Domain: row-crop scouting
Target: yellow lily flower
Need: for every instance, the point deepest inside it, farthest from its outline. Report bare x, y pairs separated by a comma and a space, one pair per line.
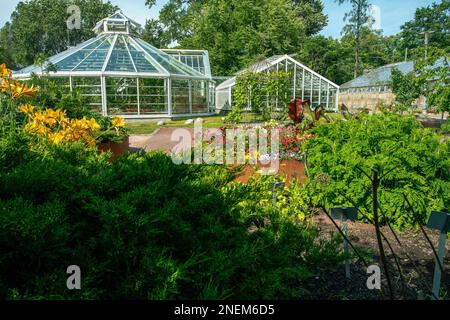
118, 122
93, 124
20, 90
5, 72
27, 109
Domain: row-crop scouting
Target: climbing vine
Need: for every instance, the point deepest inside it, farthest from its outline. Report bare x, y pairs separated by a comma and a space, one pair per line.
260, 93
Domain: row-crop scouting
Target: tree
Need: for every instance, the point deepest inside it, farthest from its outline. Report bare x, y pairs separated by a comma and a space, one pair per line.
329, 57
356, 19
5, 51
154, 34
434, 19
236, 32
405, 88
311, 11
39, 27
433, 73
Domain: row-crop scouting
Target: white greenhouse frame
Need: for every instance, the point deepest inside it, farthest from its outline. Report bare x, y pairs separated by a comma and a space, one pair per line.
119, 29
224, 91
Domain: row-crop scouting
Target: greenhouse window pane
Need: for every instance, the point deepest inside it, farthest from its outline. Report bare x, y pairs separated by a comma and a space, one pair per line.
121, 96
153, 96
72, 61
142, 62
120, 58
169, 63
90, 90
96, 59
199, 96
180, 96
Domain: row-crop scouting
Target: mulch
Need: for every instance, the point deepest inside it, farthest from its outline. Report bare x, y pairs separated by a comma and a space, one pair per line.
415, 257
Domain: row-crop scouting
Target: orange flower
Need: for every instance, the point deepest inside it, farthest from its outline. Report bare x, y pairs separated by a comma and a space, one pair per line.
19, 90
5, 72
27, 109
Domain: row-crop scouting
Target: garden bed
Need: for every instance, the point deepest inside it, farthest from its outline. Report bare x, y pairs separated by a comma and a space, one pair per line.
288, 169
419, 256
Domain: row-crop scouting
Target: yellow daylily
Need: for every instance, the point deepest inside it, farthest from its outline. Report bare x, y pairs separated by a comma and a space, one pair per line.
5, 85
19, 90
5, 72
93, 125
58, 128
27, 109
118, 122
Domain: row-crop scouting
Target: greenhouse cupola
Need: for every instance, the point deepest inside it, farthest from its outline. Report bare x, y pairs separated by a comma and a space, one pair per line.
117, 23
120, 74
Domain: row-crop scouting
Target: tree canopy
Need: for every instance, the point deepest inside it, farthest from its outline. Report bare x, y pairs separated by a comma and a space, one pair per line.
39, 27
237, 32
434, 19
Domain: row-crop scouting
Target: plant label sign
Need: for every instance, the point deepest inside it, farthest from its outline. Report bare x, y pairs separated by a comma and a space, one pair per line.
344, 214
439, 221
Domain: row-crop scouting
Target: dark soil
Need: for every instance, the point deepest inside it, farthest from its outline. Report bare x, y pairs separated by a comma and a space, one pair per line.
415, 257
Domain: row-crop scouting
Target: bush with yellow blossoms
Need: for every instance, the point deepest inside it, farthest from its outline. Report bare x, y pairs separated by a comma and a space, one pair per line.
11, 93
56, 127
13, 88
53, 125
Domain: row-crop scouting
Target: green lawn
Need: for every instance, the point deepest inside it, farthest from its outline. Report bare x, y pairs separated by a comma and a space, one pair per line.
149, 126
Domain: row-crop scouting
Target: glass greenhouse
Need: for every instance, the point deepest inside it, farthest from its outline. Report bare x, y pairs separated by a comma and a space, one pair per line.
304, 83
121, 74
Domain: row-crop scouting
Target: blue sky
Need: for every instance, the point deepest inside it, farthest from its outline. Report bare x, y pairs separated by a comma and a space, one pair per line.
393, 12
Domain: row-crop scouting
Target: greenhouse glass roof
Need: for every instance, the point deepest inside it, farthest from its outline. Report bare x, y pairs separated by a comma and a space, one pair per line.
379, 76
267, 64
116, 51
382, 75
196, 59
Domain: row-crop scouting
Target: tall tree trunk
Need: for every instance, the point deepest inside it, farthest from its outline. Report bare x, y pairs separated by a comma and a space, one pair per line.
356, 73
357, 38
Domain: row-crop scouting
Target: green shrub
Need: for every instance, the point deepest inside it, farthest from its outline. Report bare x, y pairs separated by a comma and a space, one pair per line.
445, 127
144, 228
418, 159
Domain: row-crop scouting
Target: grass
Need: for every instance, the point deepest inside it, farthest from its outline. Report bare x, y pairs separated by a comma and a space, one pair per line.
149, 126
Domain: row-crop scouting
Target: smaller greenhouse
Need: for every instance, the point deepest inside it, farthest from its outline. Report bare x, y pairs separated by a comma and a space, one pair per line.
303, 84
120, 74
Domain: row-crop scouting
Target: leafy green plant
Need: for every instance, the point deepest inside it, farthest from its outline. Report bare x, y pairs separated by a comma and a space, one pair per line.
415, 160
145, 228
261, 93
445, 127
405, 88
433, 71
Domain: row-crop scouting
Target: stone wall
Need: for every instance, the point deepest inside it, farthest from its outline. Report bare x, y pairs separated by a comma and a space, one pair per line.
370, 100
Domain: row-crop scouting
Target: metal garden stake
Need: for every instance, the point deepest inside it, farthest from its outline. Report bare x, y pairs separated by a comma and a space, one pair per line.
275, 186
439, 221
344, 214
